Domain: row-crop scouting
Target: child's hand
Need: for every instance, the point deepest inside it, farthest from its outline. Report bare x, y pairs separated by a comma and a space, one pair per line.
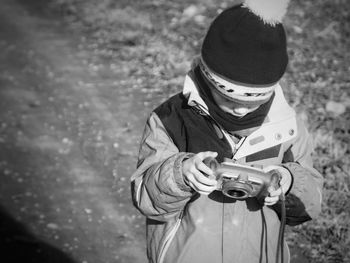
285, 184
199, 176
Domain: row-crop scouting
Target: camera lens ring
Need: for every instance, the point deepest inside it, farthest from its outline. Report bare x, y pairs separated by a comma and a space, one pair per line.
237, 189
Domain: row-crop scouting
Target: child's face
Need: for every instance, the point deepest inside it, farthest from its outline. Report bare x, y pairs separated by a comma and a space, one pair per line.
233, 107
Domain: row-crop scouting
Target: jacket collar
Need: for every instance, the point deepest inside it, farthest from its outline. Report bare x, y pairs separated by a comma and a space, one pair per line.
279, 127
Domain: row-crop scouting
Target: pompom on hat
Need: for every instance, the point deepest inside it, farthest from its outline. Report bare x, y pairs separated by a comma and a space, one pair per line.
244, 51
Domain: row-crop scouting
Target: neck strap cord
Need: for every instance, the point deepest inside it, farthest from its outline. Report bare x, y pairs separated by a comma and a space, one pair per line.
280, 244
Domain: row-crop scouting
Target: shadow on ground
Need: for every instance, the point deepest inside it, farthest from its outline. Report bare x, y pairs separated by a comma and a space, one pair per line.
17, 244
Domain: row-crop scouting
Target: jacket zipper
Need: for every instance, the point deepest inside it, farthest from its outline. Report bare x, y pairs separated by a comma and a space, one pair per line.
234, 146
169, 238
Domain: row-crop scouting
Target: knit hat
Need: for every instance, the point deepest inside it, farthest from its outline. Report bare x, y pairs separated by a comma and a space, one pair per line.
244, 52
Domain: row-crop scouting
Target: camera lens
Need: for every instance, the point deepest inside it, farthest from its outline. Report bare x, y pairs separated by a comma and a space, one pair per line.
237, 189
237, 194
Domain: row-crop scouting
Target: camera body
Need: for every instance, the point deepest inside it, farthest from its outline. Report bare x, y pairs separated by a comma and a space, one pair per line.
241, 181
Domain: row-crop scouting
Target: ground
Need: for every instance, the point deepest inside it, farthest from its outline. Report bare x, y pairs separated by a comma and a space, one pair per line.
70, 123
68, 144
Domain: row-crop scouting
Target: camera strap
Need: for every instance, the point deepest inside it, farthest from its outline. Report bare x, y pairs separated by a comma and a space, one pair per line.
280, 243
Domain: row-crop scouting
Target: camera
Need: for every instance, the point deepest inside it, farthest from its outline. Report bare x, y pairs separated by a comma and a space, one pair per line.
241, 181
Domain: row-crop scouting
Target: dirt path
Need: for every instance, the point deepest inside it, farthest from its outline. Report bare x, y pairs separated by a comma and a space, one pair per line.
68, 144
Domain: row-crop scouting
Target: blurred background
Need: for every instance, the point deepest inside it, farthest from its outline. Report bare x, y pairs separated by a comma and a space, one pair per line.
78, 78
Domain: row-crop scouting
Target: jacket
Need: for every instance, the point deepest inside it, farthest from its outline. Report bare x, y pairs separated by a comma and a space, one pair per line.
183, 226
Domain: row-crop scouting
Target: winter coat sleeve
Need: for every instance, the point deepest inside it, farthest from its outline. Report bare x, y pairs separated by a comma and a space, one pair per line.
303, 202
158, 188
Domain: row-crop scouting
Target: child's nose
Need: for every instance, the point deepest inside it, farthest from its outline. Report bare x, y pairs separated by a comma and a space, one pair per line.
240, 110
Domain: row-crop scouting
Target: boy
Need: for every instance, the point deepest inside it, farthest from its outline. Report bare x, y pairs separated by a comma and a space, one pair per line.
231, 107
